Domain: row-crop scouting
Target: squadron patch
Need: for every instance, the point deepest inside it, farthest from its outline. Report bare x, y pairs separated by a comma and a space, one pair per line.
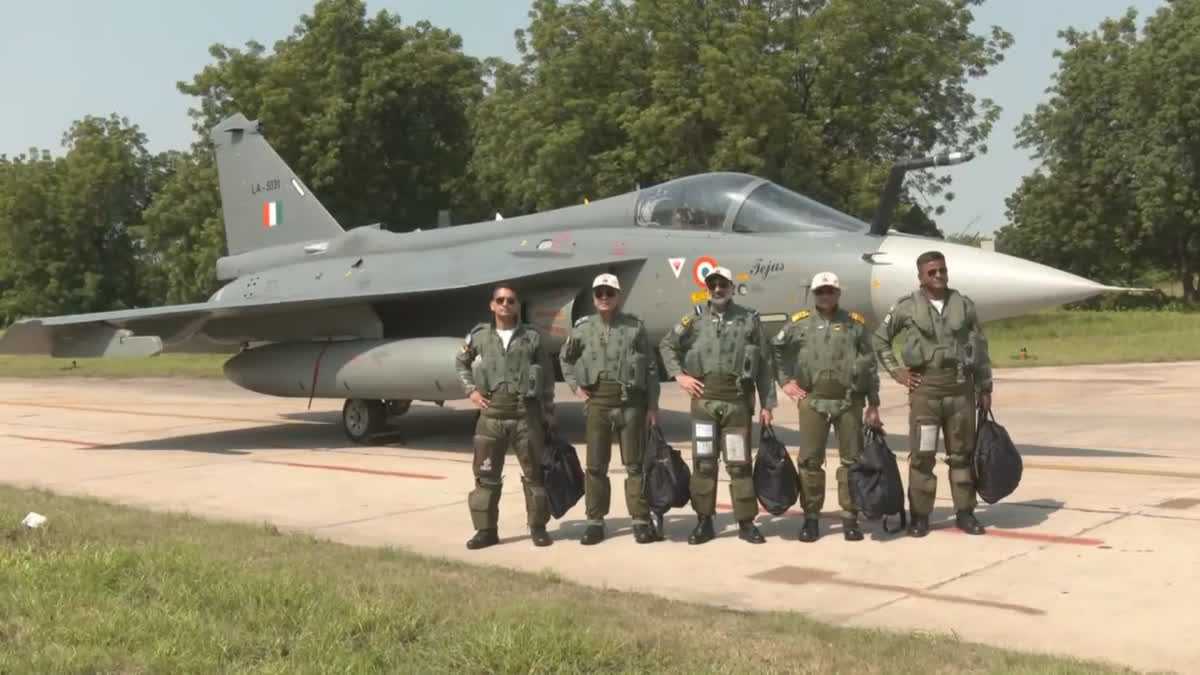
858, 318
801, 315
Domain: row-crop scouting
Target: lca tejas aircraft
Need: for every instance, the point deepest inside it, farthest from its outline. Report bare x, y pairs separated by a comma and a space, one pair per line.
376, 317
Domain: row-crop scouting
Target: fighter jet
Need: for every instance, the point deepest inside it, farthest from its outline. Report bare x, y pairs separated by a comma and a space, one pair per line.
376, 317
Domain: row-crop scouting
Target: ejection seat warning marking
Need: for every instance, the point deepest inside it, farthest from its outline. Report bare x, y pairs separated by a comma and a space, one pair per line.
676, 265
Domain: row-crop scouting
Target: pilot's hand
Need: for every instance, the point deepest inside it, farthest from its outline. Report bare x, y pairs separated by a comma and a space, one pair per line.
766, 417
985, 401
479, 400
583, 393
690, 385
907, 378
872, 418
794, 391
651, 418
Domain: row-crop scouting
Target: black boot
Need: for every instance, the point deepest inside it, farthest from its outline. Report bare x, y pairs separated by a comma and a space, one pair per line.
644, 534
540, 537
747, 531
594, 534
967, 523
703, 532
483, 539
850, 529
657, 526
811, 530
918, 526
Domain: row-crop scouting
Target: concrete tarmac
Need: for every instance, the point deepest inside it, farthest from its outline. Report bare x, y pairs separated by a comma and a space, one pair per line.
1096, 554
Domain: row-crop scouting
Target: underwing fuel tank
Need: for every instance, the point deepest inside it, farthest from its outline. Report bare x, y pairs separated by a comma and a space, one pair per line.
415, 369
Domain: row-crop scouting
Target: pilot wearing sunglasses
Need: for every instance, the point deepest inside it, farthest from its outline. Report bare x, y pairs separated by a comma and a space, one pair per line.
608, 361
947, 372
720, 358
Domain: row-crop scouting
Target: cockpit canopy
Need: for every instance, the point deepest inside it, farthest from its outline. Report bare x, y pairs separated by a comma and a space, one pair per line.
736, 202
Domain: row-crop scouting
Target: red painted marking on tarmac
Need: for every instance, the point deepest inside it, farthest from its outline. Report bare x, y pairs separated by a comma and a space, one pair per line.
991, 531
65, 441
352, 469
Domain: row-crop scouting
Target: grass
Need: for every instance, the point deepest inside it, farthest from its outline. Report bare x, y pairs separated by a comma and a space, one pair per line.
103, 588
1061, 337
163, 365
1052, 338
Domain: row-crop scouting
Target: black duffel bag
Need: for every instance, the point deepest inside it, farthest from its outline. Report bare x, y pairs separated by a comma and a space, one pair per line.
561, 474
875, 485
666, 479
997, 465
775, 478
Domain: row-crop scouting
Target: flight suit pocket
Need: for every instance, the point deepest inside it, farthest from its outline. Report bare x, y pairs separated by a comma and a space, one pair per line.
480, 373
533, 382
638, 366
913, 352
750, 357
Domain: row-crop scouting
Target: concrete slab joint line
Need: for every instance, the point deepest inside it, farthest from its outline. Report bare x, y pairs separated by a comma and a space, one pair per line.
798, 576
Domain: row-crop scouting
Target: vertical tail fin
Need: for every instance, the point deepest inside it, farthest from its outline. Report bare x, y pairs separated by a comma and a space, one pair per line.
262, 201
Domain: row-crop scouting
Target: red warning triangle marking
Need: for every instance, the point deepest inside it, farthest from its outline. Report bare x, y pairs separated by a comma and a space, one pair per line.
676, 265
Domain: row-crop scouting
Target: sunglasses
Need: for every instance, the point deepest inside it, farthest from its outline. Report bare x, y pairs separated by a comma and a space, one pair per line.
505, 300
937, 272
718, 283
825, 290
605, 293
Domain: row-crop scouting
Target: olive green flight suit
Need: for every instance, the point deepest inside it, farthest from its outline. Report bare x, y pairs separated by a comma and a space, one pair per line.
949, 351
614, 363
832, 361
519, 383
730, 355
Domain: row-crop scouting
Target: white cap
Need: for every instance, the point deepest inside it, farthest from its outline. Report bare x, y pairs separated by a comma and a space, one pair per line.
720, 272
609, 280
825, 279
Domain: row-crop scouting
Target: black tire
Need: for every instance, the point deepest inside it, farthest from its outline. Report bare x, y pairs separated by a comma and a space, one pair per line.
363, 418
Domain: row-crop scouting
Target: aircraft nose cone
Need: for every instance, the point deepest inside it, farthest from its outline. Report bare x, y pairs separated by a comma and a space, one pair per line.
1001, 285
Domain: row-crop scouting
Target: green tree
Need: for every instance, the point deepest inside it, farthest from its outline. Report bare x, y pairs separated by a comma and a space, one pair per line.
1164, 98
372, 113
66, 222
819, 95
1079, 211
1117, 194
183, 234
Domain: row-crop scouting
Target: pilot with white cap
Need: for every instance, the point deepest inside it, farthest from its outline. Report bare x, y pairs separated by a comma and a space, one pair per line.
720, 358
824, 362
609, 361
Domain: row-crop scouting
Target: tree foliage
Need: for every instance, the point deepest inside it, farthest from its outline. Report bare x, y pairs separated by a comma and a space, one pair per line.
65, 222
391, 123
820, 96
1117, 194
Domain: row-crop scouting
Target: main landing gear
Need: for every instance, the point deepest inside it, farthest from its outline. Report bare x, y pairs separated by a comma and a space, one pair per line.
363, 418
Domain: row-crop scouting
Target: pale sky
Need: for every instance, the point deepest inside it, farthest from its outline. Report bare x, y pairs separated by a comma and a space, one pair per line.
63, 59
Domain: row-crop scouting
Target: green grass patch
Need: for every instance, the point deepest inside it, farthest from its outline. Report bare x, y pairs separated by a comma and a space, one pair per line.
103, 588
1062, 337
163, 365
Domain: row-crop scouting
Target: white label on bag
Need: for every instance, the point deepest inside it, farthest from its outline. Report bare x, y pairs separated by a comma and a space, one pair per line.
929, 438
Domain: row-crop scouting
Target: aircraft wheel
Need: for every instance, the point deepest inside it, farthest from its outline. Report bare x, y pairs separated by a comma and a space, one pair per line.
363, 418
397, 407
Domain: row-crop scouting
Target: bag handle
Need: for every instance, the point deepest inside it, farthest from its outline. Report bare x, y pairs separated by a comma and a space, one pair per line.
768, 431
